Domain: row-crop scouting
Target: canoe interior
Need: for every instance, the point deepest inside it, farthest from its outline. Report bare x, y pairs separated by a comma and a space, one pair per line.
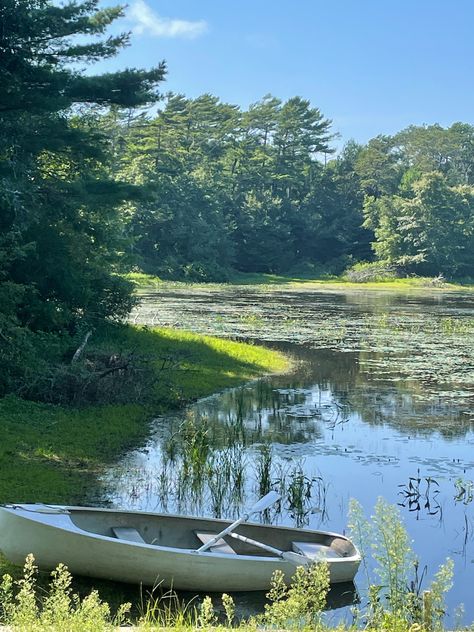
180, 532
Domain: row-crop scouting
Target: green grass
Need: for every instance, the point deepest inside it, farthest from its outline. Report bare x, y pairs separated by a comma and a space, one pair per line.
143, 281
206, 364
53, 454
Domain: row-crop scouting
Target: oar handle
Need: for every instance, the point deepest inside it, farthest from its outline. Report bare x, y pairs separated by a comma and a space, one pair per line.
223, 533
260, 545
264, 503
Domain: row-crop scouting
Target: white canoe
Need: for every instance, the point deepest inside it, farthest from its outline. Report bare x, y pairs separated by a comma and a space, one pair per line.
149, 548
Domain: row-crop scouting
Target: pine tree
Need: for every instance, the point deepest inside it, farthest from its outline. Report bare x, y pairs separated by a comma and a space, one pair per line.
60, 233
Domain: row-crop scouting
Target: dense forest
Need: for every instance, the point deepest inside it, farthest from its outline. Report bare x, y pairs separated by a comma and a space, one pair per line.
101, 175
260, 190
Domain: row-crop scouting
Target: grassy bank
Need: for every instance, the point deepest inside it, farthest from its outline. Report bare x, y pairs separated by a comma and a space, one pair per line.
269, 281
53, 454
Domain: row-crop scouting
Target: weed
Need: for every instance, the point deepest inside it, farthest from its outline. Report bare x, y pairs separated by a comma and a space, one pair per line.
59, 610
397, 600
229, 608
263, 469
301, 604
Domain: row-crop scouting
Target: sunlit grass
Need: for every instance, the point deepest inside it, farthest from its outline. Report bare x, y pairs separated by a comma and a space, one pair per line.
53, 454
142, 279
274, 281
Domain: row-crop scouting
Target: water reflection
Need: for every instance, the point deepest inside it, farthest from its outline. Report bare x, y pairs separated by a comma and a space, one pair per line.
378, 404
319, 436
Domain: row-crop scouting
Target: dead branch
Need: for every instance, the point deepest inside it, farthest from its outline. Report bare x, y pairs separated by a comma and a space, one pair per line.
81, 348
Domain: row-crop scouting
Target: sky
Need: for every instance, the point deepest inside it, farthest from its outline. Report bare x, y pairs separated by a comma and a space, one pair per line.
372, 66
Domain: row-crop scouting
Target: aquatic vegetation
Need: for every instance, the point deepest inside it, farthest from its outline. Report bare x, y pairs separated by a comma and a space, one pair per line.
211, 470
429, 342
263, 469
464, 491
421, 494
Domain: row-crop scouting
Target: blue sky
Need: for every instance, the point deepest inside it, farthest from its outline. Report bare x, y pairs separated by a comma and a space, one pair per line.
372, 66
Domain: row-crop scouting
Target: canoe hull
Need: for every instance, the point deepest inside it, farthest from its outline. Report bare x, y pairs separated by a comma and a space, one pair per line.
108, 558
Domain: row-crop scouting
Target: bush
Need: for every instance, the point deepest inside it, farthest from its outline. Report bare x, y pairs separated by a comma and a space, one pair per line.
396, 600
375, 271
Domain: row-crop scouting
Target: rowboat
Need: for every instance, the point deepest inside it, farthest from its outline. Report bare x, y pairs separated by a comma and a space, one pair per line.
180, 552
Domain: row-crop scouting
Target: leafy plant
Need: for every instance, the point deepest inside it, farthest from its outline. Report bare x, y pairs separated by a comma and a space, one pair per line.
301, 604
396, 599
60, 609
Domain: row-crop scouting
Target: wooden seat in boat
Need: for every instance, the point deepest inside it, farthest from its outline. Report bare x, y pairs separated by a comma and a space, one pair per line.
128, 533
220, 546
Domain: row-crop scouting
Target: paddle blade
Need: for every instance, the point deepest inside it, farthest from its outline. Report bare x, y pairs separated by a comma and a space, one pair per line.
264, 503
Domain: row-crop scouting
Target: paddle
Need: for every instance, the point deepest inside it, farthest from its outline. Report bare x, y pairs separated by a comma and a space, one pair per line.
264, 503
290, 556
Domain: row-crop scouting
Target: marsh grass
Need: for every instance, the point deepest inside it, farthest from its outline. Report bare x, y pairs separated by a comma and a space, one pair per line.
204, 467
389, 282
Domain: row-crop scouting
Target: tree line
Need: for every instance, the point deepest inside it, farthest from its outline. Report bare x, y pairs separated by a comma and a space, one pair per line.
259, 190
103, 174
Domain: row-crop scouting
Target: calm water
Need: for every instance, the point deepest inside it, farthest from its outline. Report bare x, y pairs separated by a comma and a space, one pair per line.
379, 403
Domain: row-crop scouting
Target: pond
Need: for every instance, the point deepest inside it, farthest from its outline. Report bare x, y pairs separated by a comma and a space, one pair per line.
379, 402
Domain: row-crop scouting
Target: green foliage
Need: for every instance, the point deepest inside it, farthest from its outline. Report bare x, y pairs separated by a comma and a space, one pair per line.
229, 608
396, 600
247, 190
364, 272
237, 189
59, 610
299, 605
206, 617
431, 231
62, 240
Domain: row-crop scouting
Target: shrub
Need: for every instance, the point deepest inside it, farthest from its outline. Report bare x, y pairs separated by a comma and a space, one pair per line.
59, 610
396, 600
375, 271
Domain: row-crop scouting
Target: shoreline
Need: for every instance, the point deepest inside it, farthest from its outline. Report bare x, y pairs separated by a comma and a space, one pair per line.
52, 453
272, 282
